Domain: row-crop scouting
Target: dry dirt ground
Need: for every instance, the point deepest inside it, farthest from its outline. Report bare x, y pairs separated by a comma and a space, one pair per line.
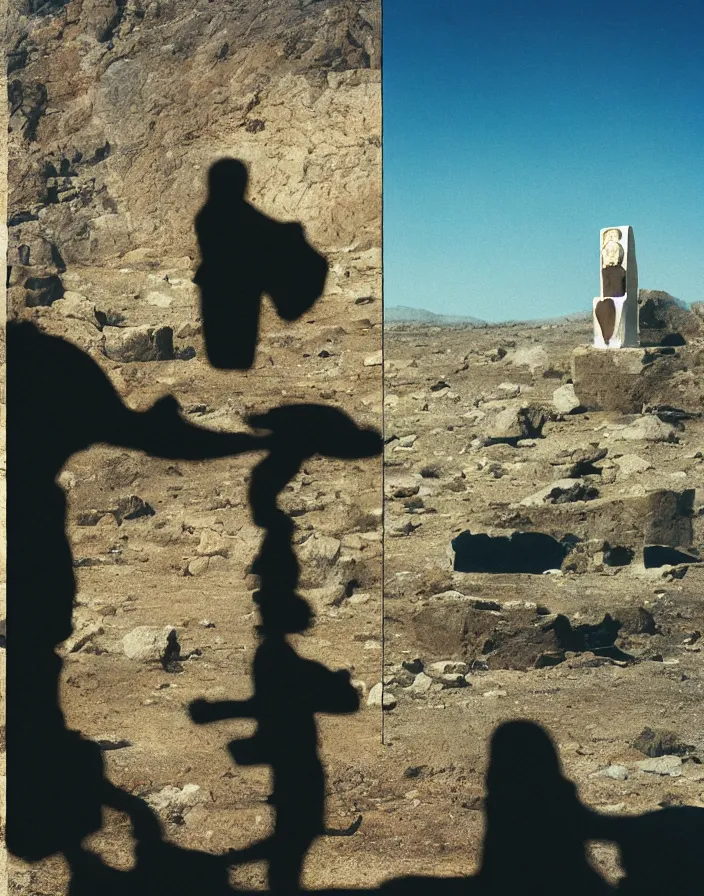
129, 104
186, 565
442, 386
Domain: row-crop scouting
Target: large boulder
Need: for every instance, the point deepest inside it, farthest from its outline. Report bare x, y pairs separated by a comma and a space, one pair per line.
628, 379
663, 320
662, 517
138, 343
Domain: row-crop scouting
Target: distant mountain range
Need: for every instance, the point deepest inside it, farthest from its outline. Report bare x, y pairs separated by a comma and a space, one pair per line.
402, 314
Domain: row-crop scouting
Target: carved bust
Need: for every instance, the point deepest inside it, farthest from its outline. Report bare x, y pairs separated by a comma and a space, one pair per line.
611, 254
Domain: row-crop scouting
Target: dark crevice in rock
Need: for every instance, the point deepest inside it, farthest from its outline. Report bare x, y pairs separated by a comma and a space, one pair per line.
101, 153
15, 96
37, 109
523, 552
44, 7
656, 555
18, 56
22, 218
57, 259
617, 555
108, 32
43, 291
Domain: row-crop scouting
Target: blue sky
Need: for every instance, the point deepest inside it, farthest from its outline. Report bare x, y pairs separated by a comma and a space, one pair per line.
514, 131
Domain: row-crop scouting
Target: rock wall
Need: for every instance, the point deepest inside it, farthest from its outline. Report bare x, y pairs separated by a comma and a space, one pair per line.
118, 107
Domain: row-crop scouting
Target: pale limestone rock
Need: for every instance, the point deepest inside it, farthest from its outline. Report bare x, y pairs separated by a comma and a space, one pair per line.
631, 465
148, 642
662, 765
379, 696
533, 358
564, 399
212, 543
649, 428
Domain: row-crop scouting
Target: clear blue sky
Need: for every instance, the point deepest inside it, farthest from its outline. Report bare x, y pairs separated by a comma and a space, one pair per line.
515, 130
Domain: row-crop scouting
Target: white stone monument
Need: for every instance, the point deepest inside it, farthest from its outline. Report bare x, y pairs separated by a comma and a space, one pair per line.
615, 311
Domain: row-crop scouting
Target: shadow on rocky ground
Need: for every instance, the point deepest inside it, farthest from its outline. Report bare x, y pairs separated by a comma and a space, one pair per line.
537, 829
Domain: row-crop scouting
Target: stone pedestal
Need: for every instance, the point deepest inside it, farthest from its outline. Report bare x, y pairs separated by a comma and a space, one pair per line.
610, 381
629, 378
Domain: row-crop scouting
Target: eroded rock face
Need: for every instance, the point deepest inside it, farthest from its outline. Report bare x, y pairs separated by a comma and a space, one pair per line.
627, 379
144, 96
663, 321
119, 110
662, 517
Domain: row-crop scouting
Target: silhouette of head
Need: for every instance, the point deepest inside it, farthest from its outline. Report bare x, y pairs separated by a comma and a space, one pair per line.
282, 612
227, 180
523, 760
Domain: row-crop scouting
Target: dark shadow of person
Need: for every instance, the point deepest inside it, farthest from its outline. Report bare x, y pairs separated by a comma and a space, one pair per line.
536, 829
245, 254
298, 432
160, 867
536, 826
59, 402
288, 690
660, 851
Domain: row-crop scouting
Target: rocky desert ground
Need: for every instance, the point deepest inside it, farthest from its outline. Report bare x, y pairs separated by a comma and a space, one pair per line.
485, 434
117, 110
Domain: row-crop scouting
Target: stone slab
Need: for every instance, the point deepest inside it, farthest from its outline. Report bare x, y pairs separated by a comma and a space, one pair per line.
663, 517
627, 379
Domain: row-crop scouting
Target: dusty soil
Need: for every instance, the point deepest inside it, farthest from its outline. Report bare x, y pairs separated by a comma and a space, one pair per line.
442, 385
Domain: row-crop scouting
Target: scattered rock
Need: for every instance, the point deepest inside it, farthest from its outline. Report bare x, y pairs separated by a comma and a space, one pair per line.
565, 401
212, 544
514, 423
631, 465
660, 742
174, 799
638, 621
379, 696
648, 428
533, 358
149, 643
421, 684
132, 507
563, 491
664, 321
447, 667
201, 565
663, 765
138, 343
581, 461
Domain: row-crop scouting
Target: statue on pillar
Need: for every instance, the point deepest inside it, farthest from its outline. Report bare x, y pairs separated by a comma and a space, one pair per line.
615, 311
